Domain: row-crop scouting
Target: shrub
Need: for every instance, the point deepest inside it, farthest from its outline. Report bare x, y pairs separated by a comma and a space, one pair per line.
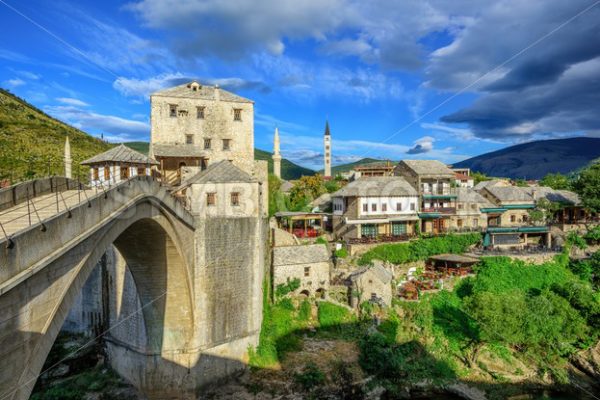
321, 240
305, 311
331, 315
341, 253
575, 240
593, 235
284, 288
421, 249
310, 377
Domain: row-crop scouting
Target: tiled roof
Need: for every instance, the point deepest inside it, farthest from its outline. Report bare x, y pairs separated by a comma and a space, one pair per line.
558, 196
378, 270
219, 172
177, 150
202, 92
375, 165
429, 167
490, 183
510, 193
468, 195
303, 254
377, 186
120, 153
462, 177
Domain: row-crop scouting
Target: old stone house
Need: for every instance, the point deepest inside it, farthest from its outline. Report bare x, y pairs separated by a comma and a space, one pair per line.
194, 125
373, 207
118, 164
434, 183
468, 215
308, 263
371, 283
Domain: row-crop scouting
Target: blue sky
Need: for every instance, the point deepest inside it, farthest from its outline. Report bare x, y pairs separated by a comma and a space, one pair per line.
396, 79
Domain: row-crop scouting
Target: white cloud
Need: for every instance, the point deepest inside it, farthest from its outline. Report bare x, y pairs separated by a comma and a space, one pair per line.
134, 87
13, 83
72, 102
110, 125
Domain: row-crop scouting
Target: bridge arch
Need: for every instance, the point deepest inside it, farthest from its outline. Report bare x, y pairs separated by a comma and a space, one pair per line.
153, 243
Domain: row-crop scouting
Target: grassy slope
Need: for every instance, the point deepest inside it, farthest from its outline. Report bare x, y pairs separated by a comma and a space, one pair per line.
32, 142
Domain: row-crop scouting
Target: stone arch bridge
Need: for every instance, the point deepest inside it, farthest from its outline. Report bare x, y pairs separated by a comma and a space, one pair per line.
198, 284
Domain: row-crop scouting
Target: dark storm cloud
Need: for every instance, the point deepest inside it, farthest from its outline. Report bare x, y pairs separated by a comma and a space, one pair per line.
566, 106
418, 149
549, 89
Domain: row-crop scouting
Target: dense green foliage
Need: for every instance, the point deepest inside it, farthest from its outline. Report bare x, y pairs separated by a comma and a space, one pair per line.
284, 288
587, 185
593, 235
32, 143
421, 249
544, 312
310, 377
556, 181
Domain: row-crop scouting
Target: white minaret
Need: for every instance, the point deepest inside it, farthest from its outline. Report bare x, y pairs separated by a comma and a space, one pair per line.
276, 155
68, 160
327, 147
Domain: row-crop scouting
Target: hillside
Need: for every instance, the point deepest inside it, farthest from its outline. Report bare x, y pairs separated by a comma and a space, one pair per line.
338, 169
289, 170
32, 142
534, 160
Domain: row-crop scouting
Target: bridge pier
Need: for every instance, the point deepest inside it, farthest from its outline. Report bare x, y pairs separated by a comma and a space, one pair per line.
195, 290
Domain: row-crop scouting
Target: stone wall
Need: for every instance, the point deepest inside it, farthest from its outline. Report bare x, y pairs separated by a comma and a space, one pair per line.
218, 124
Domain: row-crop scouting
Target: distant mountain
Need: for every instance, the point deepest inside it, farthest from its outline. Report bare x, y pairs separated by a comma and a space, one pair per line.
338, 169
534, 160
289, 170
32, 142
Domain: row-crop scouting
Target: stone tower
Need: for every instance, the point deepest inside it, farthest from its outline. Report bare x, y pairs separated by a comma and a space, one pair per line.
327, 148
68, 160
276, 155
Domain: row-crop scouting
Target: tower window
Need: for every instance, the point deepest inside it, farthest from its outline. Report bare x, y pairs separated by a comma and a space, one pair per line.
237, 114
189, 139
95, 174
384, 207
211, 199
226, 144
206, 144
235, 199
365, 207
412, 206
373, 207
306, 271
173, 110
398, 206
200, 112
141, 171
106, 172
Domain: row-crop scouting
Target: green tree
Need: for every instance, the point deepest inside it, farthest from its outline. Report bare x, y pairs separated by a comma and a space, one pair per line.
587, 186
543, 212
305, 190
556, 181
479, 177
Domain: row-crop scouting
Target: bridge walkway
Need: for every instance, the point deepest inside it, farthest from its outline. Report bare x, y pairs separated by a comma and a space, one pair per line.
40, 208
